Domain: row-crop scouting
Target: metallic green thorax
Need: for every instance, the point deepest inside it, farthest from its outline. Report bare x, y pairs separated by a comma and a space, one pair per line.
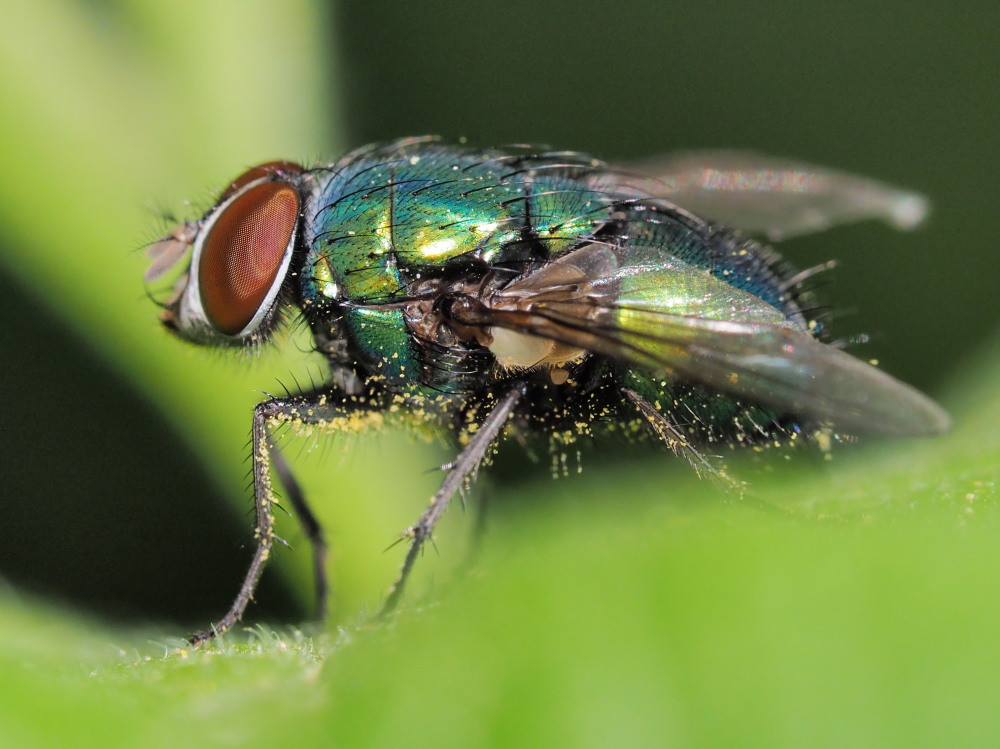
385, 218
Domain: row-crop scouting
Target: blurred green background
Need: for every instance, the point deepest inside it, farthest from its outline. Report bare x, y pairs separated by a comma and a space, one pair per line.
122, 464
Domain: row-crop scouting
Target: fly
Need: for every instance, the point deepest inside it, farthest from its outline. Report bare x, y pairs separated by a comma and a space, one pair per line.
482, 292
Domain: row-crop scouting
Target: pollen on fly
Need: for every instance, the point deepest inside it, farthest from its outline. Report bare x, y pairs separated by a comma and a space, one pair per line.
478, 293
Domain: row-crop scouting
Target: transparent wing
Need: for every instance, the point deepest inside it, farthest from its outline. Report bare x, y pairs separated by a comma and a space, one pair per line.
771, 196
681, 320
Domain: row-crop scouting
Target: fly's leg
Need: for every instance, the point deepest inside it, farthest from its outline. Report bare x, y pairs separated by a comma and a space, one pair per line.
678, 443
328, 411
461, 470
264, 529
310, 526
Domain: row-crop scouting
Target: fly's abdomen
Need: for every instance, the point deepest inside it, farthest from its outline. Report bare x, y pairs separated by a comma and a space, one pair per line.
732, 259
689, 268
706, 417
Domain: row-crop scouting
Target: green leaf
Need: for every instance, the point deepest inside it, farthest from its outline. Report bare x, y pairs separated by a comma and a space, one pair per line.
855, 605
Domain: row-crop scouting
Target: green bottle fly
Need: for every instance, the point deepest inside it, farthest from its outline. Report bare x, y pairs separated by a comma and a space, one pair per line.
474, 292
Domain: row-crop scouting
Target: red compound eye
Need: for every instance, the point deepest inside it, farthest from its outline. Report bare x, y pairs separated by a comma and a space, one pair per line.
243, 253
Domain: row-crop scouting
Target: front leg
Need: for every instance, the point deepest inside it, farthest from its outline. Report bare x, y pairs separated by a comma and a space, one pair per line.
328, 410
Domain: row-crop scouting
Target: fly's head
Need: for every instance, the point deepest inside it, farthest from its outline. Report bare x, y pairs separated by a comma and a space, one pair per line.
238, 280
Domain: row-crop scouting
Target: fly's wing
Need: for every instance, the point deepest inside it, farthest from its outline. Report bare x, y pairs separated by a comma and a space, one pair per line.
766, 195
642, 307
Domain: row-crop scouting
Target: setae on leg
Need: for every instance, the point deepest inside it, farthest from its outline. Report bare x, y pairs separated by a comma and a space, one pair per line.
334, 412
461, 470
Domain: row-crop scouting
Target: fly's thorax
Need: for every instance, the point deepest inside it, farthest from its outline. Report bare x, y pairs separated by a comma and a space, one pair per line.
392, 231
379, 217
376, 219
381, 346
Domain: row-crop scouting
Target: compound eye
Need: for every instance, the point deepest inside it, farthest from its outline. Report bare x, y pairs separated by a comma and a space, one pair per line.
243, 254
